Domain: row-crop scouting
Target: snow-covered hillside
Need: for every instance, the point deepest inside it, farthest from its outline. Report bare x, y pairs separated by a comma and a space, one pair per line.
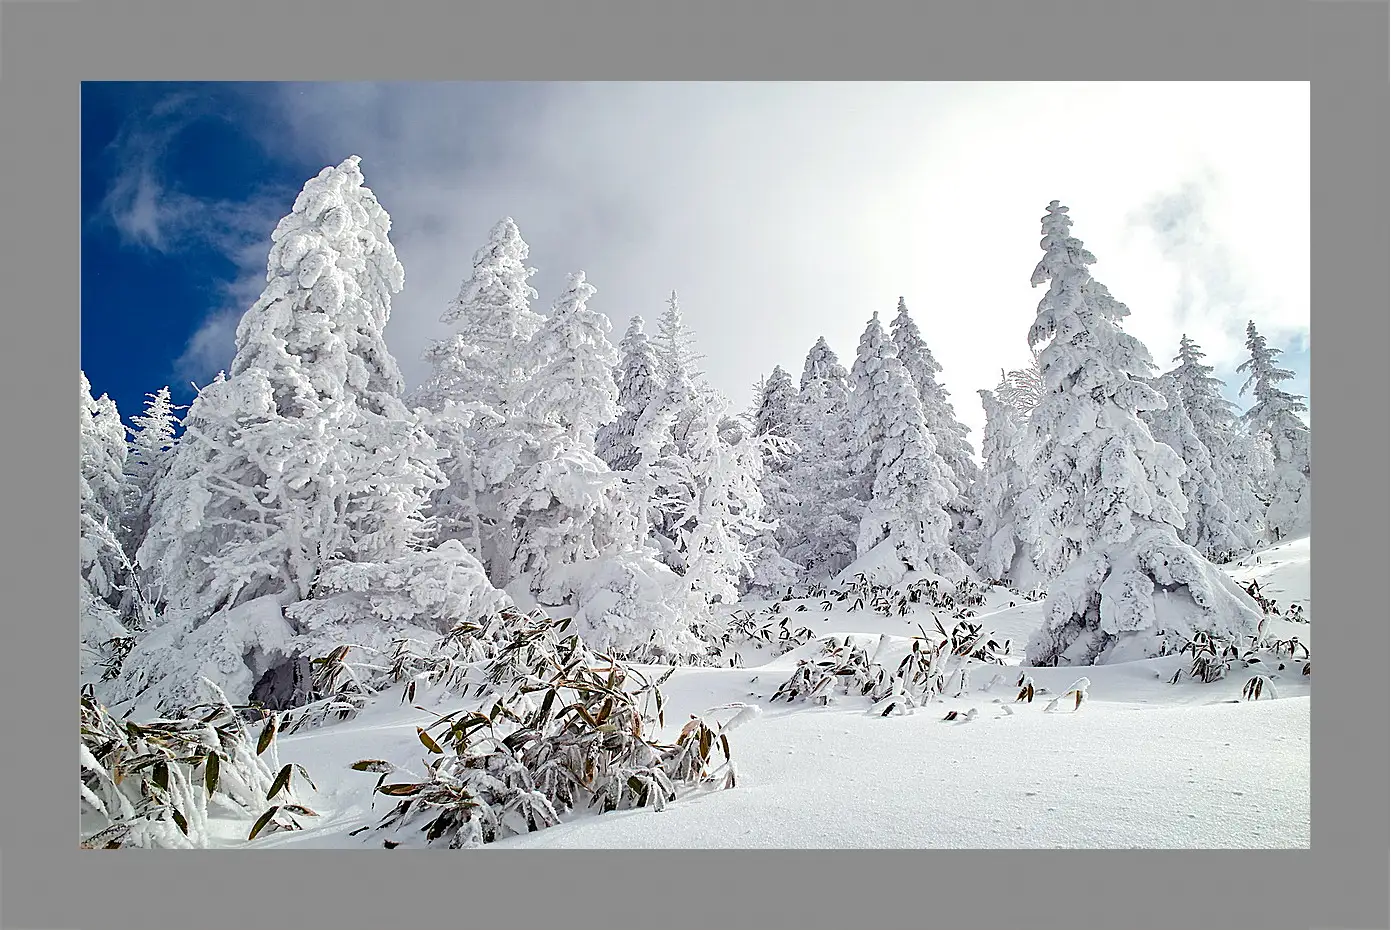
1142, 763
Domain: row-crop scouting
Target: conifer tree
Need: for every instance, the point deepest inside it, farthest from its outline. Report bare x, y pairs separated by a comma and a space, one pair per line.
1275, 415
1106, 494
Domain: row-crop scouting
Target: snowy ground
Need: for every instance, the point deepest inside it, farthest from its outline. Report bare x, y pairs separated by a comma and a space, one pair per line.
1143, 763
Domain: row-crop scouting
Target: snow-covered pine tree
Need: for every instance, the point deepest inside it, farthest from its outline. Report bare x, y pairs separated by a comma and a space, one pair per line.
563, 506
774, 415
1106, 495
573, 361
1216, 427
103, 567
1000, 554
1209, 525
472, 393
305, 455
774, 421
638, 382
947, 431
1275, 414
909, 485
152, 441
675, 346
485, 360
822, 532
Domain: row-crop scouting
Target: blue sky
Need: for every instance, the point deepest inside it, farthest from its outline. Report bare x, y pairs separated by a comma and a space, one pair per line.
780, 212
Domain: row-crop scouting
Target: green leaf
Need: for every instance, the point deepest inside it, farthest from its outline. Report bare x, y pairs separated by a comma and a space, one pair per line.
160, 776
181, 822
261, 823
401, 790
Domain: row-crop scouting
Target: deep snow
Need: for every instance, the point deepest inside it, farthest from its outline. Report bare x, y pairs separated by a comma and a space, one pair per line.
1143, 763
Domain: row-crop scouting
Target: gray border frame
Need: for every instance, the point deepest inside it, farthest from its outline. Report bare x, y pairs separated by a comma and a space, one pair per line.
46, 48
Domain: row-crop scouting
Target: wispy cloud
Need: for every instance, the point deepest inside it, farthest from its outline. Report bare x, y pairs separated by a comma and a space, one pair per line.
783, 212
149, 210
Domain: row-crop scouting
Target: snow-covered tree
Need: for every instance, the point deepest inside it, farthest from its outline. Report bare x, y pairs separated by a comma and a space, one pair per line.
1238, 481
305, 454
675, 345
1275, 414
573, 362
102, 564
822, 532
998, 554
486, 359
1106, 500
152, 441
638, 382
776, 405
910, 486
632, 604
1209, 525
560, 505
939, 415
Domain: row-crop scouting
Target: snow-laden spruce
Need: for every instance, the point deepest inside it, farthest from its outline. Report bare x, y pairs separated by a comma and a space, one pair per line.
638, 382
302, 457
1001, 554
103, 568
675, 346
947, 431
776, 405
774, 421
151, 444
1209, 525
910, 486
1106, 499
1275, 415
485, 359
573, 361
555, 504
822, 531
1235, 463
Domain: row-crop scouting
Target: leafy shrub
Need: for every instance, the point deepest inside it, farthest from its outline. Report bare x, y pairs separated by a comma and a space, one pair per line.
153, 784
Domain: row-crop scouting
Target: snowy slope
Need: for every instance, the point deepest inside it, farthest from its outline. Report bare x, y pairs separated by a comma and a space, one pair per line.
1143, 762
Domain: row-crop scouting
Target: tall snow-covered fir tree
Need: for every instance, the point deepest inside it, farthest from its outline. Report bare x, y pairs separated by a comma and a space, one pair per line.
152, 442
774, 421
1000, 554
1208, 523
776, 404
1106, 494
563, 506
303, 457
1216, 426
638, 382
485, 360
947, 431
103, 567
473, 392
675, 345
910, 486
573, 361
822, 532
1275, 415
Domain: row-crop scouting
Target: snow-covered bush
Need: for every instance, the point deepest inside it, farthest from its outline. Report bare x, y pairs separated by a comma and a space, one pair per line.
157, 784
564, 729
630, 604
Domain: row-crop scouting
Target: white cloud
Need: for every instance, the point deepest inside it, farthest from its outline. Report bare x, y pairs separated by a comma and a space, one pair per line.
782, 212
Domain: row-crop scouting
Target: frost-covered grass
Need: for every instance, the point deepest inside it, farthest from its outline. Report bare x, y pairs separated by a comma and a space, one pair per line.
1142, 762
